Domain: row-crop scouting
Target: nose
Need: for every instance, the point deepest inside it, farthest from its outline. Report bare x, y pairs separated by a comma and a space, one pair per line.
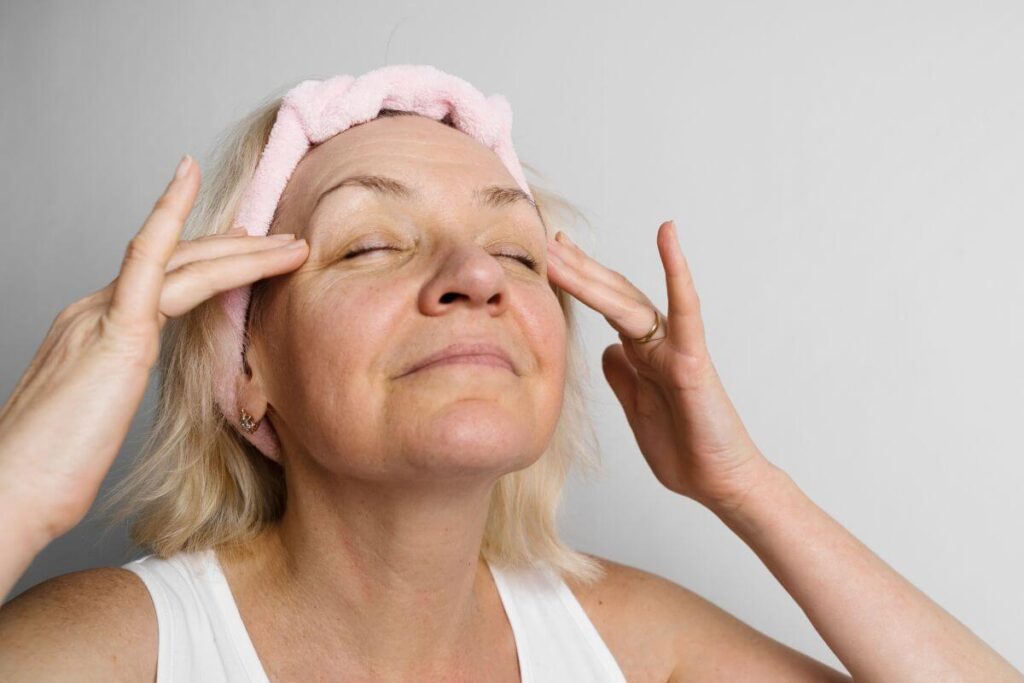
467, 276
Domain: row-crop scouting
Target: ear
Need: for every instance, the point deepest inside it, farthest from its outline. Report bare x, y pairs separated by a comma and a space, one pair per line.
249, 387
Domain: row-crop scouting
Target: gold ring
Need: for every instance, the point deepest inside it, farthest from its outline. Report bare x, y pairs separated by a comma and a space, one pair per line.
647, 337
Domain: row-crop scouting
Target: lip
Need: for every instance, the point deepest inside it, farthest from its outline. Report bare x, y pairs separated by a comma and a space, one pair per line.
470, 352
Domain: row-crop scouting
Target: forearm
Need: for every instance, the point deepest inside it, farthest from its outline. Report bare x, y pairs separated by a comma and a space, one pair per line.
877, 623
20, 539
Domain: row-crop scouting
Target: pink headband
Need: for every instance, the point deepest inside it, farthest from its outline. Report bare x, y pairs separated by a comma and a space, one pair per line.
314, 111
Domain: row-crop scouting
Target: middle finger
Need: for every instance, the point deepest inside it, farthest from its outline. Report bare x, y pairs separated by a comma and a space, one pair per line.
567, 251
215, 246
609, 293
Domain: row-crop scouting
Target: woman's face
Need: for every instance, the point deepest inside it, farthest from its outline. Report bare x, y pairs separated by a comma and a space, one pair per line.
438, 267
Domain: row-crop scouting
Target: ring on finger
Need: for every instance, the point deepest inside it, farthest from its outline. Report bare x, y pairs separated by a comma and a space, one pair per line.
648, 337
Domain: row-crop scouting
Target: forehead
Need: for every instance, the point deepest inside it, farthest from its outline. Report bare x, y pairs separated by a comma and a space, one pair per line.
447, 172
416, 150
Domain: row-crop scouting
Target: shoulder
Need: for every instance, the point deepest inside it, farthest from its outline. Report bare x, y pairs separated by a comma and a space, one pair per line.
666, 632
91, 624
626, 606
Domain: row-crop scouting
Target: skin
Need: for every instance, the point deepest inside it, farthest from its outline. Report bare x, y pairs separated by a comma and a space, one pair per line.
881, 627
374, 572
400, 466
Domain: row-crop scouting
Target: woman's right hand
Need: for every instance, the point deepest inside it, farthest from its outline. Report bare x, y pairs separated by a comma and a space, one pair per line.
68, 415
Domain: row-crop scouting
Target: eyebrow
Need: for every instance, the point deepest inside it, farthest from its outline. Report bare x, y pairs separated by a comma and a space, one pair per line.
495, 196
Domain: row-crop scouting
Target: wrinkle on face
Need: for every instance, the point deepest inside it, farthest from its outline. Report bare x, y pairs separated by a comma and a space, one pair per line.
344, 323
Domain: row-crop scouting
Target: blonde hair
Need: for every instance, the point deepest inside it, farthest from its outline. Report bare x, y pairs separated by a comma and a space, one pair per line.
197, 483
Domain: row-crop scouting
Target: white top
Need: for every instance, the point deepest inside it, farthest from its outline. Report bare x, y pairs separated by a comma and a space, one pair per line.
202, 636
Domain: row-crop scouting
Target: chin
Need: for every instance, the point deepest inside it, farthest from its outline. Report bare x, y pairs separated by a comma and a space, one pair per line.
471, 436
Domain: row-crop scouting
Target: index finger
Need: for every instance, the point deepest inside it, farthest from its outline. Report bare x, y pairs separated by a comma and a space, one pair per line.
685, 324
136, 295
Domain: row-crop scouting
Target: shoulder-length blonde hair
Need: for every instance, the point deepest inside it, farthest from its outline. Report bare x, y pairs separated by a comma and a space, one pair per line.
198, 484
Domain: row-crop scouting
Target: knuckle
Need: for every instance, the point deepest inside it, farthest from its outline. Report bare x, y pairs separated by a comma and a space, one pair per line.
71, 333
197, 274
134, 344
76, 309
165, 203
137, 250
68, 313
78, 332
194, 270
166, 209
691, 372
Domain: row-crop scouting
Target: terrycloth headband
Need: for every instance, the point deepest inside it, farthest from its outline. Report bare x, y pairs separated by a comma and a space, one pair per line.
314, 111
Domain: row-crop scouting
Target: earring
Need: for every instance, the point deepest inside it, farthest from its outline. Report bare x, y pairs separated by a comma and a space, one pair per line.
248, 424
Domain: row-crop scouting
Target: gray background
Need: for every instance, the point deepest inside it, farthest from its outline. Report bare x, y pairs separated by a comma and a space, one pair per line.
847, 182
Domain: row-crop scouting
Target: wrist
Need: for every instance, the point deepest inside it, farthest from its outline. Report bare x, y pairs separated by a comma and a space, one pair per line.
764, 480
22, 538
21, 527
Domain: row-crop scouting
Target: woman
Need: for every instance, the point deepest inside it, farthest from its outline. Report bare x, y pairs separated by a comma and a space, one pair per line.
398, 521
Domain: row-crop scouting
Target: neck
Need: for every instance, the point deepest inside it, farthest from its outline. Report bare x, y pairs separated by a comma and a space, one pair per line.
392, 571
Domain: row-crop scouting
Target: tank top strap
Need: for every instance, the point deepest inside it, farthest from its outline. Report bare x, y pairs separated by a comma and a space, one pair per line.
200, 631
202, 635
554, 636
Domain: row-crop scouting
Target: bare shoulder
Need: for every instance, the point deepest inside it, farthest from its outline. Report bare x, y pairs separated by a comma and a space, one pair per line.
661, 631
94, 624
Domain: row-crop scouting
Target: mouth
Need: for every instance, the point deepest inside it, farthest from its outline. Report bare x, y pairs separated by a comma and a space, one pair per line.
466, 353
486, 360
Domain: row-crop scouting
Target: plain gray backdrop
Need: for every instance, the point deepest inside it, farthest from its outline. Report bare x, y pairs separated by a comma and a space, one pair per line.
846, 178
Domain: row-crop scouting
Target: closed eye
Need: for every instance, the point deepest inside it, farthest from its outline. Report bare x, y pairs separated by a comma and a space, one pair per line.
363, 250
525, 259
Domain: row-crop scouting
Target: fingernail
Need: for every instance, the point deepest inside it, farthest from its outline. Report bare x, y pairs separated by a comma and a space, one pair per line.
183, 166
283, 236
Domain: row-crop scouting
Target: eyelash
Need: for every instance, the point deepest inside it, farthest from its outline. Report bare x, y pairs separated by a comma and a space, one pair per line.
525, 259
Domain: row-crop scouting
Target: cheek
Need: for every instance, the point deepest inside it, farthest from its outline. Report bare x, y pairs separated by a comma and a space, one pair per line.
329, 343
338, 340
543, 324
334, 361
546, 336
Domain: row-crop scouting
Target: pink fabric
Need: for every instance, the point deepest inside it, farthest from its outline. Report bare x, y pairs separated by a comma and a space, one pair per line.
314, 111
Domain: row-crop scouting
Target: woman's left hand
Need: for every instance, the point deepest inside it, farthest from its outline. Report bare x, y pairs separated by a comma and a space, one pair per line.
685, 424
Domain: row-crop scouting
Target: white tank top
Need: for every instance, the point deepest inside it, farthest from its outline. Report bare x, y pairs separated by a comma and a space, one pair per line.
202, 636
